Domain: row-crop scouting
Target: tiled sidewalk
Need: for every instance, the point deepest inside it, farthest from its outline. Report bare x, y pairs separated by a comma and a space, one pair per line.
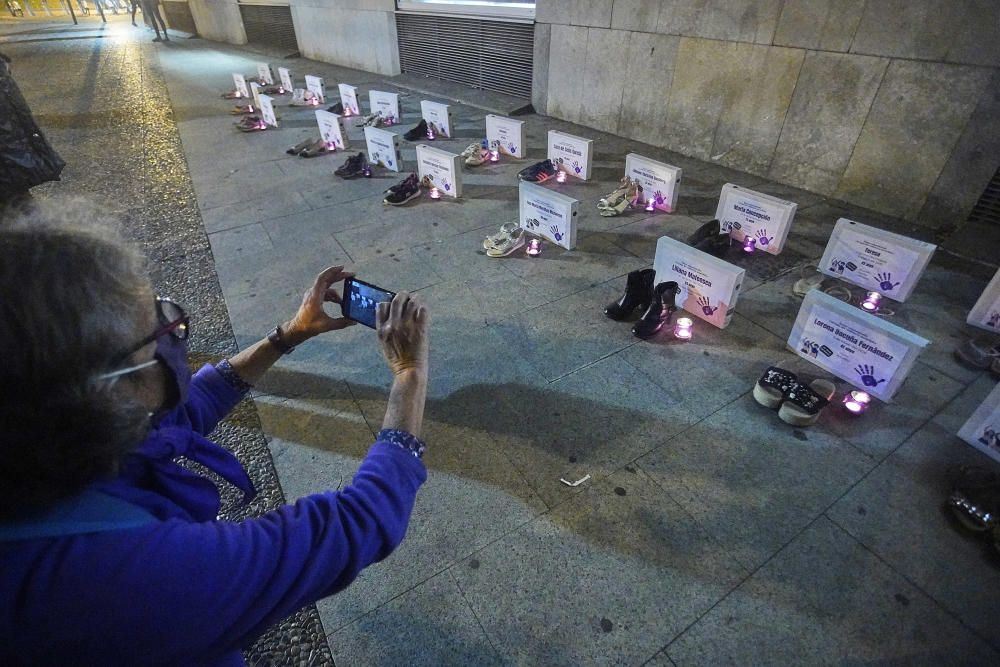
710, 532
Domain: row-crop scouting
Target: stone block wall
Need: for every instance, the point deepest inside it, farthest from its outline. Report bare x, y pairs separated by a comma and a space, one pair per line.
890, 104
218, 20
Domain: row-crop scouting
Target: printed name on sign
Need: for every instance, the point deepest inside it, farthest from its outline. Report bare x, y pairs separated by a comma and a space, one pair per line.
709, 287
571, 154
314, 85
442, 168
264, 74
383, 148
240, 83
385, 105
507, 133
331, 129
982, 429
437, 116
747, 214
286, 79
867, 351
349, 98
548, 214
267, 110
986, 313
660, 181
877, 260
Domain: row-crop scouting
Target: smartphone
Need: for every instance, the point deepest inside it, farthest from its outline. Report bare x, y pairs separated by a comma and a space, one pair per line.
361, 300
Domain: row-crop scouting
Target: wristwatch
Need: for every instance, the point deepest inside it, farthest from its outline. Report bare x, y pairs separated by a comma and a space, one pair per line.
278, 341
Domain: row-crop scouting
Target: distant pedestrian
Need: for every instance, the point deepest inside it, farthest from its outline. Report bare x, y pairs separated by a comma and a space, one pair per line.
135, 6
151, 8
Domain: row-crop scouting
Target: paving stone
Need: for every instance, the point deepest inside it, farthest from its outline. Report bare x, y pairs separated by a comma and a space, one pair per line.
897, 512
448, 633
825, 25
253, 210
233, 244
621, 534
826, 599
753, 481
397, 229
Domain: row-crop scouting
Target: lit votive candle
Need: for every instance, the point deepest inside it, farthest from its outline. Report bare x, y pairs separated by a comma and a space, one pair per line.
534, 248
561, 176
435, 193
749, 244
682, 329
872, 302
650, 204
856, 402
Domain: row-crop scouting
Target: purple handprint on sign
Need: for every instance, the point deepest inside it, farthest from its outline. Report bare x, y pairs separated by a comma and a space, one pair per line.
446, 185
706, 306
576, 167
660, 198
556, 234
762, 238
885, 282
867, 374
512, 148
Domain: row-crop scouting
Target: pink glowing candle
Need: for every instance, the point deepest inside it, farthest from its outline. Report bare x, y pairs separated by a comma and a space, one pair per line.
749, 244
430, 133
650, 204
856, 402
561, 176
682, 329
435, 193
872, 302
534, 248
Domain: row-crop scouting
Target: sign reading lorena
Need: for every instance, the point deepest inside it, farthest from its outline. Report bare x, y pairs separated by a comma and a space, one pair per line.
441, 168
982, 429
240, 83
574, 155
264, 74
874, 259
507, 133
314, 85
745, 213
385, 105
548, 213
437, 116
331, 129
866, 351
267, 110
286, 79
709, 287
659, 180
349, 98
383, 148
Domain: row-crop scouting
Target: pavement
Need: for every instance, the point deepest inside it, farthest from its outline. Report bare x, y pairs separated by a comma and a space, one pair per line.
709, 532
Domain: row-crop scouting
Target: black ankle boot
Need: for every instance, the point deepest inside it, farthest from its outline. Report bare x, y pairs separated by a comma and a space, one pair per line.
638, 294
709, 238
659, 311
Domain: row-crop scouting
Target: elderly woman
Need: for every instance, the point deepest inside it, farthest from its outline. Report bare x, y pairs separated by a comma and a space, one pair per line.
110, 552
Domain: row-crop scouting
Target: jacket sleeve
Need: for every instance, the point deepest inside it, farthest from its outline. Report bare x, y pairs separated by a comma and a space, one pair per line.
210, 399
189, 593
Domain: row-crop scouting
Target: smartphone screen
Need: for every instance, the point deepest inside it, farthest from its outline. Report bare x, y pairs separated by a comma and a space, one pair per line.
361, 301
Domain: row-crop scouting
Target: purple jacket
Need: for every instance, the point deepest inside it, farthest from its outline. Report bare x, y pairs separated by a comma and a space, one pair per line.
184, 588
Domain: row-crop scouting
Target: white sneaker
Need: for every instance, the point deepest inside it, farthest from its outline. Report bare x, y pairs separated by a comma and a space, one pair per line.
298, 98
508, 246
507, 230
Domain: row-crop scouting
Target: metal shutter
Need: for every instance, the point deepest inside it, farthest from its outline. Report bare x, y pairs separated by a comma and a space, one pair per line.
178, 16
270, 25
988, 207
490, 55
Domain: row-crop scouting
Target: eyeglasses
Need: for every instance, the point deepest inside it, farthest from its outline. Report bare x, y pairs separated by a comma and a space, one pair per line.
173, 321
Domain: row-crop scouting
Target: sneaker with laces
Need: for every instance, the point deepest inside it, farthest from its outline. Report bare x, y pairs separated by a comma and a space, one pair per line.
539, 172
476, 154
251, 124
405, 191
507, 230
418, 132
355, 166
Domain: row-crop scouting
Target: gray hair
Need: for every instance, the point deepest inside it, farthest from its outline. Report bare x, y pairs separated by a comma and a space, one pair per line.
73, 297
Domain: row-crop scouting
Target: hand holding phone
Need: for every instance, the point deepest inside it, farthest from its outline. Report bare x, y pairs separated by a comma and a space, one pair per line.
361, 299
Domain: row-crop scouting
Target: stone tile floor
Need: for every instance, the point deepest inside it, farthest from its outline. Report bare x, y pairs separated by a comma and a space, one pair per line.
710, 532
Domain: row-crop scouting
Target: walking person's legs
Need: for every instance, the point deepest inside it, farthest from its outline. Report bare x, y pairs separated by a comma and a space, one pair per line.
135, 6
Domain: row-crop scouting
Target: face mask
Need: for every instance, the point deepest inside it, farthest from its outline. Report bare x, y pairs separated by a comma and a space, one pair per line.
172, 353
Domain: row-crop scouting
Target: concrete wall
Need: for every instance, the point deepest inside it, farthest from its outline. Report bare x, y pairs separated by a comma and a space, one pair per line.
218, 20
891, 104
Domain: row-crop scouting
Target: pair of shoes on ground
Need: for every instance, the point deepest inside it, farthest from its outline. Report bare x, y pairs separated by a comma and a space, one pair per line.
242, 110
709, 238
251, 124
232, 95
273, 90
505, 242
356, 165
476, 154
797, 403
627, 195
309, 148
373, 120
641, 292
982, 352
405, 191
538, 172
303, 98
337, 108
418, 132
975, 500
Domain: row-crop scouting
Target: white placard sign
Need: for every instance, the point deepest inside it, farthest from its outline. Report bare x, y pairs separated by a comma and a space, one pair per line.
982, 429
285, 75
572, 154
349, 98
986, 313
383, 148
865, 350
438, 115
659, 180
255, 89
442, 168
264, 74
507, 133
331, 129
874, 259
764, 218
267, 110
709, 287
548, 213
240, 83
314, 84
385, 105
